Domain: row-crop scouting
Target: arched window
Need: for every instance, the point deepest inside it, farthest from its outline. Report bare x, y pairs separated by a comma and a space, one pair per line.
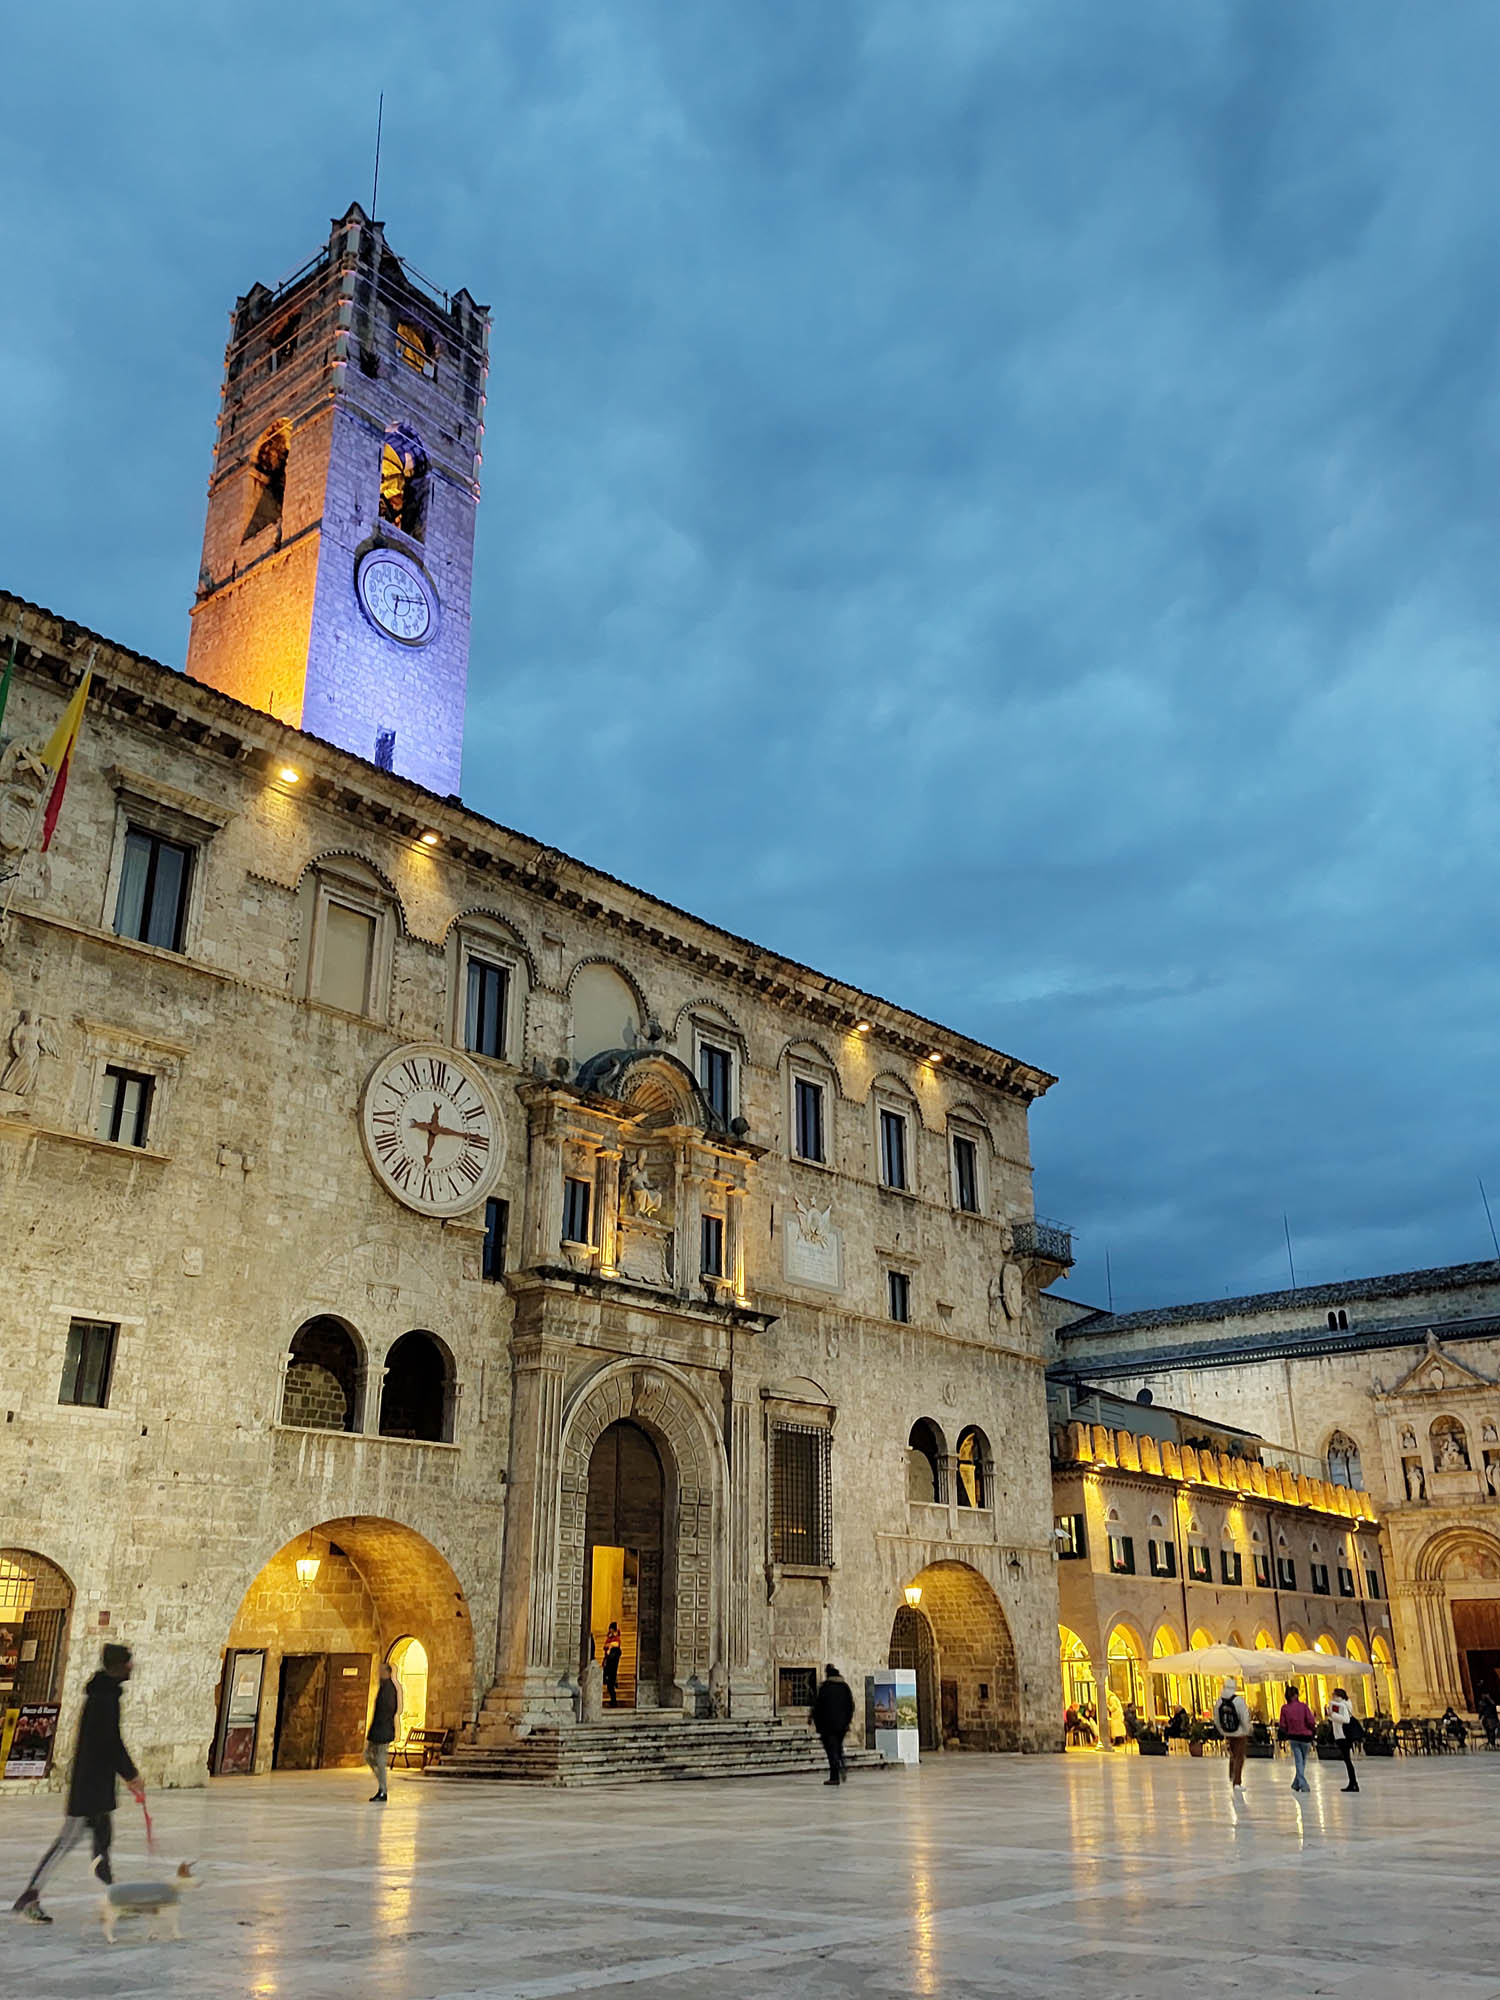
1338, 1322
1344, 1468
973, 1468
606, 1014
926, 1462
321, 1390
268, 476
415, 346
403, 483
417, 1400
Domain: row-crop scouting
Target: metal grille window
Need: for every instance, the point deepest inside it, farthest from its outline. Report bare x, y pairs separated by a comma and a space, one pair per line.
484, 1013
809, 1106
712, 1262
496, 1222
125, 1107
716, 1075
796, 1686
152, 903
801, 1510
88, 1364
576, 1211
892, 1149
966, 1176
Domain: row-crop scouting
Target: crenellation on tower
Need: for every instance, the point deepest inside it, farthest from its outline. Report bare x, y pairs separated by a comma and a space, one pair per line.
338, 547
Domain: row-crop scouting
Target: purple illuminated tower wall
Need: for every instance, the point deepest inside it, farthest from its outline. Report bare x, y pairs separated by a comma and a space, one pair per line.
339, 545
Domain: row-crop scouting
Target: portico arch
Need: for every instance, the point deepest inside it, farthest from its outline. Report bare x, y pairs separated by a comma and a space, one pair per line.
979, 1689
659, 1401
1458, 1585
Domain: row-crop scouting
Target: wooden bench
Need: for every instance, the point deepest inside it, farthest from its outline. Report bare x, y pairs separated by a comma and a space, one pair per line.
430, 1743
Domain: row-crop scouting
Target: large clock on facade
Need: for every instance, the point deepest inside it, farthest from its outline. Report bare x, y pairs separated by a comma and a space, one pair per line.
430, 1130
396, 597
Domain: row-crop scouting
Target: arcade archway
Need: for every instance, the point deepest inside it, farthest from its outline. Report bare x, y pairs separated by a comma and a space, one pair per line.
36, 1603
913, 1647
974, 1658
304, 1647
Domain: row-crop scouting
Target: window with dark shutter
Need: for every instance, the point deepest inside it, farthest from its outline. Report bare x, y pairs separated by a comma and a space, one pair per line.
809, 1108
800, 1495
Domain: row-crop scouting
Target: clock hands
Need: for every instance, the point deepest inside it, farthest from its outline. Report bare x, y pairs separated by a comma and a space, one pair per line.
435, 1130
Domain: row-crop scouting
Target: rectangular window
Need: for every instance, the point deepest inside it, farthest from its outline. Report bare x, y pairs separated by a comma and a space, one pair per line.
1262, 1570
1320, 1579
576, 1195
125, 1108
1071, 1537
348, 953
152, 903
1163, 1558
1231, 1566
800, 1512
1346, 1581
1286, 1573
1372, 1582
484, 1011
88, 1364
716, 1075
898, 1295
712, 1257
1200, 1564
966, 1175
809, 1104
496, 1223
796, 1686
892, 1149
1122, 1555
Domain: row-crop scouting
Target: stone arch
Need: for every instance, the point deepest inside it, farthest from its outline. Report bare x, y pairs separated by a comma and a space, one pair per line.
710, 1013
1459, 1553
268, 480
1342, 1460
377, 1581
926, 1461
358, 868
475, 914
896, 1087
813, 1052
976, 1657
664, 1404
419, 1395
36, 1606
974, 1468
970, 1121
323, 1383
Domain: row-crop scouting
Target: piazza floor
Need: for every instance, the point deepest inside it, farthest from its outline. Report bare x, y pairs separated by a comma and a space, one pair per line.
1108, 1876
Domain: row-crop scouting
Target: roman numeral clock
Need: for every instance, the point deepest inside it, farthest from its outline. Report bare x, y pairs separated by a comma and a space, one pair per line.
430, 1130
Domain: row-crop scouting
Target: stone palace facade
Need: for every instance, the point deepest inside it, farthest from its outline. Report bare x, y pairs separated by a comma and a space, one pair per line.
420, 1244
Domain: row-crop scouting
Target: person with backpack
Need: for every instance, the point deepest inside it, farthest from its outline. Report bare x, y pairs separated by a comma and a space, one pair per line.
1347, 1731
1232, 1718
1298, 1727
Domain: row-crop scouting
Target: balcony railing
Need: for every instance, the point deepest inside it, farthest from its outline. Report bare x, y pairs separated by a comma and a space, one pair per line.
1040, 1238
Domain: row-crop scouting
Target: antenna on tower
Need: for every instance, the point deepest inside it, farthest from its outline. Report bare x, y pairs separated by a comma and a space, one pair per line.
1286, 1232
375, 187
1488, 1217
1109, 1279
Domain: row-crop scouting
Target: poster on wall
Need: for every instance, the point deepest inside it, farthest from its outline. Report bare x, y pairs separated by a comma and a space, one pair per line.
30, 1752
10, 1656
239, 1721
893, 1693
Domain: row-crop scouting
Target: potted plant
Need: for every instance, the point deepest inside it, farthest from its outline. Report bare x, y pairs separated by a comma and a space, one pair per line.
1199, 1733
1151, 1742
1380, 1736
1261, 1743
1328, 1751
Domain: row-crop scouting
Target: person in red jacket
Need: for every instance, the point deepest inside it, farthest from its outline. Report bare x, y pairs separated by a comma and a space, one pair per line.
99, 1759
1299, 1728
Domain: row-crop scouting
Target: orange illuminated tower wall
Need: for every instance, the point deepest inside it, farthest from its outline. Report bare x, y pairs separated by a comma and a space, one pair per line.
339, 545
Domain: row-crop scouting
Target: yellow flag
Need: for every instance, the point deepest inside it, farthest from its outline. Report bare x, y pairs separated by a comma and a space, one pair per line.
61, 740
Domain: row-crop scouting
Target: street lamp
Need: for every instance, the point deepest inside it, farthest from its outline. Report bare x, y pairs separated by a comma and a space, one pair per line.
307, 1567
914, 1595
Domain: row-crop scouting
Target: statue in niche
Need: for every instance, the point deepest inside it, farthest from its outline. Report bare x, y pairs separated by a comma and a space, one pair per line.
814, 1223
1450, 1453
1408, 1438
1492, 1472
1416, 1485
33, 1036
643, 1193
24, 779
1487, 1435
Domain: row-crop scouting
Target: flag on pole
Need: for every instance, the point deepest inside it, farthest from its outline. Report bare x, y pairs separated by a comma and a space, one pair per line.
10, 665
58, 755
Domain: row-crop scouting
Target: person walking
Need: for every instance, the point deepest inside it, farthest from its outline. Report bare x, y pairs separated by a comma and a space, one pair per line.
1232, 1715
831, 1714
1489, 1716
613, 1647
1298, 1727
382, 1731
1346, 1731
99, 1758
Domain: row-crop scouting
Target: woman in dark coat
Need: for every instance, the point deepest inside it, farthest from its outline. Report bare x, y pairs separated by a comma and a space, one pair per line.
382, 1731
99, 1759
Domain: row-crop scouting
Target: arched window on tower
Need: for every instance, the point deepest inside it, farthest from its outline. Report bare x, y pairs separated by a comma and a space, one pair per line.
403, 484
1344, 1468
268, 476
926, 1462
972, 1468
415, 346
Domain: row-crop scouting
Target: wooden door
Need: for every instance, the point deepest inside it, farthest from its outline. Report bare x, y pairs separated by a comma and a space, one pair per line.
347, 1711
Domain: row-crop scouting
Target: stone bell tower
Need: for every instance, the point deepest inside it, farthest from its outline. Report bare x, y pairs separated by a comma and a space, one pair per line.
339, 547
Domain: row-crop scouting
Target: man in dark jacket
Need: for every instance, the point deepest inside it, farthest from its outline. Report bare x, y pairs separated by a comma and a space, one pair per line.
831, 1714
99, 1758
382, 1730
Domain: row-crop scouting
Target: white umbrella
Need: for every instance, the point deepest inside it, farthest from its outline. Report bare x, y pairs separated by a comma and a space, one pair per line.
1259, 1663
1328, 1666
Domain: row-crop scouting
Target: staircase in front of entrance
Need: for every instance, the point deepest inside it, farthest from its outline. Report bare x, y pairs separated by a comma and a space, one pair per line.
659, 1746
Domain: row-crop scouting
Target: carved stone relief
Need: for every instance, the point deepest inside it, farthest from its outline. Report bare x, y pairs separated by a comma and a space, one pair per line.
813, 1247
33, 1037
24, 779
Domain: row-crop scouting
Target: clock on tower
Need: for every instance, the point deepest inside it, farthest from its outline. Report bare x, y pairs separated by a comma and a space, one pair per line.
339, 544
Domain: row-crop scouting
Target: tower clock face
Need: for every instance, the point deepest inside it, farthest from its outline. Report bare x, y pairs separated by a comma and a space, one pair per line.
396, 597
430, 1131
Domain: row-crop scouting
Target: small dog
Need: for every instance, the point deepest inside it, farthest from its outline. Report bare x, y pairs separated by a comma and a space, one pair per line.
146, 1899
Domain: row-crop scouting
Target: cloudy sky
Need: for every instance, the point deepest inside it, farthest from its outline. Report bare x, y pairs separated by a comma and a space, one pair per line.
997, 498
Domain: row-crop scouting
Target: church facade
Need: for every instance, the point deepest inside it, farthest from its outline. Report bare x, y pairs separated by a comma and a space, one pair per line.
422, 1245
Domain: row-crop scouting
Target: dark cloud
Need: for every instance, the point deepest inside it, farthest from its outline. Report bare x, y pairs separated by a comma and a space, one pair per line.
997, 501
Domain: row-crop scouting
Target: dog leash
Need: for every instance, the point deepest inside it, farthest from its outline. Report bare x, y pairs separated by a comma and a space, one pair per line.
150, 1839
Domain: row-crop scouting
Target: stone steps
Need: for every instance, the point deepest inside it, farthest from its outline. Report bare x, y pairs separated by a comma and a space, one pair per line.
643, 1752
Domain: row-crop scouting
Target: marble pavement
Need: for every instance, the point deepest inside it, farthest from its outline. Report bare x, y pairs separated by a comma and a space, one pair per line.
983, 1875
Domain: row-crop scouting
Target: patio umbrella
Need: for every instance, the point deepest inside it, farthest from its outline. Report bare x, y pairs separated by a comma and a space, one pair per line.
1328, 1666
1245, 1662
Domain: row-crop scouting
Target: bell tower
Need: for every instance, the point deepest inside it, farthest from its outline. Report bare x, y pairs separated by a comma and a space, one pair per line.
338, 552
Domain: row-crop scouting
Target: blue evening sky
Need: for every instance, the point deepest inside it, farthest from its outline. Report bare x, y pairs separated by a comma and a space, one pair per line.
996, 498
